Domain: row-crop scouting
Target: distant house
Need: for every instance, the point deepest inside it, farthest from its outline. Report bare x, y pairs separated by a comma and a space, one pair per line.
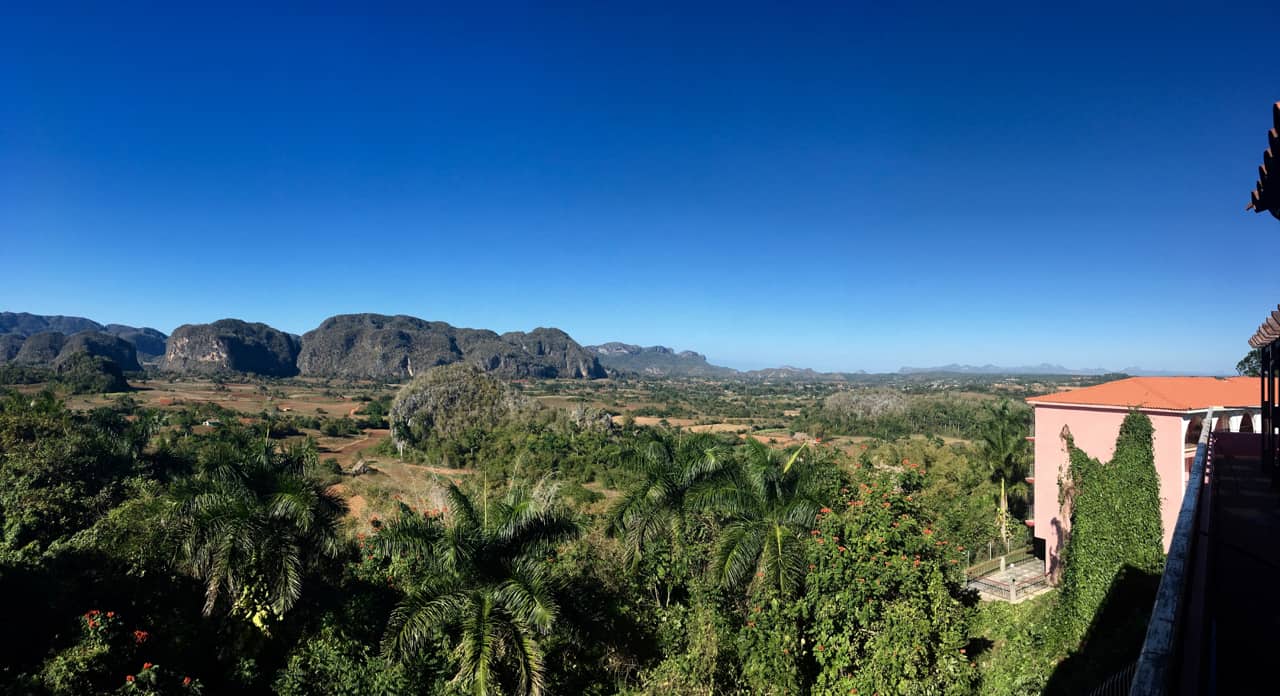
212, 423
1177, 407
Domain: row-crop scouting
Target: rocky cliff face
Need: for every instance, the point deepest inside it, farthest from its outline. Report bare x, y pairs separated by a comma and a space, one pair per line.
10, 344
40, 348
357, 346
53, 349
542, 354
231, 345
657, 361
398, 347
148, 343
103, 345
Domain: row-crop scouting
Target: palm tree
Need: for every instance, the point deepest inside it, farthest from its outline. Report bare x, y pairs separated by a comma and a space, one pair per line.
251, 529
1003, 445
769, 505
653, 512
484, 579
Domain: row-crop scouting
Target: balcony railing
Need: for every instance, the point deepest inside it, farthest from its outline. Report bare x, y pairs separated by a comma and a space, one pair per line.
1178, 612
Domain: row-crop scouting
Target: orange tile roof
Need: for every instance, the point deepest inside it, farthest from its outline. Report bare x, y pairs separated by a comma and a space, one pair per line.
1163, 393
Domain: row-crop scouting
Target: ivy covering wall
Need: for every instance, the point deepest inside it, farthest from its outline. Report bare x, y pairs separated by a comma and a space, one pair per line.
1115, 523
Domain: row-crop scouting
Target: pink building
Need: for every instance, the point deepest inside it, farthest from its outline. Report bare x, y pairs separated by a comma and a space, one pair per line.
1177, 407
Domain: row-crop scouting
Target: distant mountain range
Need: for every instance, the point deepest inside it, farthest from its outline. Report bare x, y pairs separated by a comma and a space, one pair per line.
43, 340
395, 348
661, 361
1041, 369
657, 361
353, 346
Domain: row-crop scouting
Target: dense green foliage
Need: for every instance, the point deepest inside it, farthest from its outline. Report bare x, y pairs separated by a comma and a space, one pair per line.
571, 555
889, 414
483, 579
883, 595
1115, 522
1070, 641
1251, 364
448, 404
79, 373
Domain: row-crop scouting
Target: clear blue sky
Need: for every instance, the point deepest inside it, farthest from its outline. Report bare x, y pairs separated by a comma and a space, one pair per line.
856, 188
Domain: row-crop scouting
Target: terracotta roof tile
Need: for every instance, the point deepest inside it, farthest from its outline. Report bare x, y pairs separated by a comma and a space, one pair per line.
1164, 393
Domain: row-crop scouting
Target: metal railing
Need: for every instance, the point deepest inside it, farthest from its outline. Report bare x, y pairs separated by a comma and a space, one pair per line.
994, 562
1011, 589
1156, 663
1117, 684
1000, 562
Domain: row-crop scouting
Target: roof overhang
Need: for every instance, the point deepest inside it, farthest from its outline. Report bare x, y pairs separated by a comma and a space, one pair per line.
1266, 194
1268, 331
1143, 409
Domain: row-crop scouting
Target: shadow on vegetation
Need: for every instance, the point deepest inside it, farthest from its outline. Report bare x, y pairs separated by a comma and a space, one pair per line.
1114, 638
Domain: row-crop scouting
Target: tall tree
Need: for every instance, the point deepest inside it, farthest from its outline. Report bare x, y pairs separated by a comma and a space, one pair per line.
1251, 364
769, 504
482, 578
1003, 445
653, 513
251, 528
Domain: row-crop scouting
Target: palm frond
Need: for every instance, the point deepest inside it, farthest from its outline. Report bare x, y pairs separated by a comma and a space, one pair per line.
740, 545
414, 620
529, 660
476, 648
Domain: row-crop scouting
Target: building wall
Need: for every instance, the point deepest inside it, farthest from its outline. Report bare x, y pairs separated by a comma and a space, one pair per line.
1094, 430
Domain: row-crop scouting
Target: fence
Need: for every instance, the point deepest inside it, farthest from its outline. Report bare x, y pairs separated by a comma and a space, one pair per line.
1011, 590
987, 567
1117, 684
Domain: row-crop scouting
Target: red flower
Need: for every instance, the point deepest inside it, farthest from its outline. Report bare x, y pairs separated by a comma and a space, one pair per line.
140, 637
110, 614
186, 681
146, 666
927, 531
826, 510
128, 677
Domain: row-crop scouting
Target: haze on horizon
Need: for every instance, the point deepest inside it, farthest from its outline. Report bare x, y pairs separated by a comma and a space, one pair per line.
855, 188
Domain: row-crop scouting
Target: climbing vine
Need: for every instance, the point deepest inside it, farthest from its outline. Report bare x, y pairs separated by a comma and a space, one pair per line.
1115, 523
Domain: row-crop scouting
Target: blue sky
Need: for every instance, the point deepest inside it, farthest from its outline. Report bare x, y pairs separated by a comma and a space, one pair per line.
841, 188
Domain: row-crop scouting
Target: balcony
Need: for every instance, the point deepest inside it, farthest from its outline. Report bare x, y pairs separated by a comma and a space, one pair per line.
1215, 627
